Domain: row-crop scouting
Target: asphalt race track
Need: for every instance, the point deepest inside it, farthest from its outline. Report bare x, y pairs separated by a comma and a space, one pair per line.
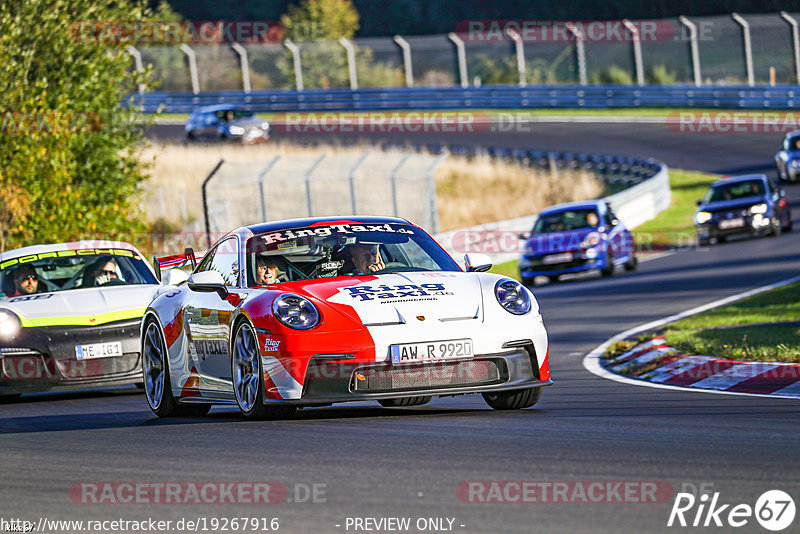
373, 462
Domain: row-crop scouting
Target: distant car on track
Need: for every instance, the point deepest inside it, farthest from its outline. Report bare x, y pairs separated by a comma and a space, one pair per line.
226, 122
742, 205
575, 237
410, 326
79, 327
787, 160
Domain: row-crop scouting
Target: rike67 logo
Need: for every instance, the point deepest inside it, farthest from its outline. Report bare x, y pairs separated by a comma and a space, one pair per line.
774, 510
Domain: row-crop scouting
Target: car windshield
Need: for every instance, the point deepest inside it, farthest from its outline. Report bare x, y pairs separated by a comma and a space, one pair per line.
72, 269
342, 249
566, 220
228, 115
734, 191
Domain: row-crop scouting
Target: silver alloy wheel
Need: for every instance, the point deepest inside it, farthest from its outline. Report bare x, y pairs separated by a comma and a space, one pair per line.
246, 368
153, 365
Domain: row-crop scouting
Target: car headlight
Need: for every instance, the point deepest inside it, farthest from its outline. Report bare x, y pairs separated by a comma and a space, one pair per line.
236, 130
758, 208
512, 296
592, 239
702, 216
795, 163
265, 126
295, 312
9, 324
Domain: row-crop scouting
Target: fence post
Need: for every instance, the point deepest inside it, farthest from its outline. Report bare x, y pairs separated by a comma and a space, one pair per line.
698, 80
462, 58
748, 51
406, 48
795, 43
186, 49
261, 186
242, 51
520, 50
433, 216
580, 51
137, 59
637, 50
351, 62
298, 69
393, 181
205, 200
351, 175
307, 179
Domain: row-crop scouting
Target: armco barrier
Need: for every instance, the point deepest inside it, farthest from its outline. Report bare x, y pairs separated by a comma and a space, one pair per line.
542, 96
645, 192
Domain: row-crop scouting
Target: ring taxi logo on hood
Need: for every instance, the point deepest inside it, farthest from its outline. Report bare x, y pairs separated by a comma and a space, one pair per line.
384, 291
271, 345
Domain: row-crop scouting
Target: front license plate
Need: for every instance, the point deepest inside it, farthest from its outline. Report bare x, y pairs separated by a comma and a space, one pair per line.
731, 223
98, 350
430, 351
564, 257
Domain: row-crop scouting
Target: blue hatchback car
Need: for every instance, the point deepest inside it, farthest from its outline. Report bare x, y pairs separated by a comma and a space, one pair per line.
751, 205
226, 122
575, 237
787, 160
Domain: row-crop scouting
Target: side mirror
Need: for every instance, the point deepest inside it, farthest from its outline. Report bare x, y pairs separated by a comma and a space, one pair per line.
698, 202
524, 235
174, 277
477, 263
207, 282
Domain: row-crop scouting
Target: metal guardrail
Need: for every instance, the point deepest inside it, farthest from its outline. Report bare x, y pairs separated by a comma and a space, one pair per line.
641, 188
545, 96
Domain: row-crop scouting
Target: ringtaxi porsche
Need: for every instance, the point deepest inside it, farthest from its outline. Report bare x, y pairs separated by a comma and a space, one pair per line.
312, 312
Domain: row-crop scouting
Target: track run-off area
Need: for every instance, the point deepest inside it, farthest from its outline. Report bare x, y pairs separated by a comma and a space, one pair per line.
346, 468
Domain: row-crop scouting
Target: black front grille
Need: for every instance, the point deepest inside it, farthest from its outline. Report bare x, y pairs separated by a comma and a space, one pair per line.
424, 376
539, 266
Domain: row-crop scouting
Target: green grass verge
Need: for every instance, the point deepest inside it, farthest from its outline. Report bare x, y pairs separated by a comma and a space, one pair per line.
674, 227
742, 331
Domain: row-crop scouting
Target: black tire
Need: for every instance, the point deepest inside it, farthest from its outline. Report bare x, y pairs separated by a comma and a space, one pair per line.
775, 227
405, 401
609, 269
160, 399
139, 385
632, 263
553, 278
528, 282
703, 242
788, 227
259, 410
515, 399
9, 397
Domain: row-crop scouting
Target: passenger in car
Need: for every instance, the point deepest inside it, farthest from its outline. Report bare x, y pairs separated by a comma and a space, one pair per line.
26, 281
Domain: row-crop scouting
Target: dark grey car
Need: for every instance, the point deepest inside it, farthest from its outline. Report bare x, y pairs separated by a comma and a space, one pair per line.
749, 205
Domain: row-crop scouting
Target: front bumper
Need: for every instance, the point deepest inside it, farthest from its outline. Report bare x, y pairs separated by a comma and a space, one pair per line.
341, 381
530, 266
44, 358
751, 226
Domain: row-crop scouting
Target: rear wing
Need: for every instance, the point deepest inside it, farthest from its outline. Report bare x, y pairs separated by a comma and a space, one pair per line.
189, 256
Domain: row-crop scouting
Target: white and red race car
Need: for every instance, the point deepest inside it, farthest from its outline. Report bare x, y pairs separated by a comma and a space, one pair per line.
310, 312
